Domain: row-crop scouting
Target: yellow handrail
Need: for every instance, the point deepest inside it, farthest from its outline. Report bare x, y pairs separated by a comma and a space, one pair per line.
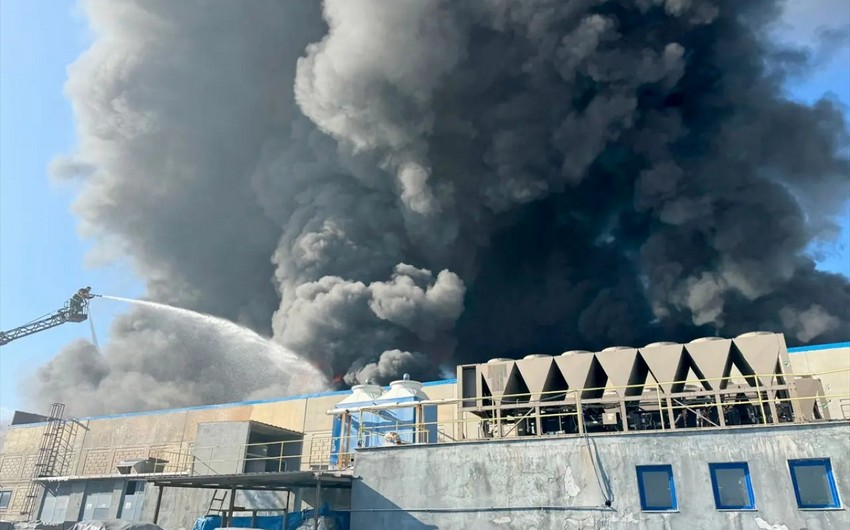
316, 446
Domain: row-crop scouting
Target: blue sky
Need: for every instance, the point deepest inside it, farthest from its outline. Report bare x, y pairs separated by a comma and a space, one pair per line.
42, 259
41, 256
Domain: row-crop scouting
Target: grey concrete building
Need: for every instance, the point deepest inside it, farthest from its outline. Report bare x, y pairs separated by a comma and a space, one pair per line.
721, 433
568, 483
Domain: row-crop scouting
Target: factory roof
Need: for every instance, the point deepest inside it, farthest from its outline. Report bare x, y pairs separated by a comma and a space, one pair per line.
815, 347
798, 349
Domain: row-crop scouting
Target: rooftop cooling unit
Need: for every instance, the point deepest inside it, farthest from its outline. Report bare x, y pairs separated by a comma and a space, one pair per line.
751, 365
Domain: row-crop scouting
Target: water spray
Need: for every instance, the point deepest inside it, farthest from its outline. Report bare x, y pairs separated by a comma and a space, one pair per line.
285, 360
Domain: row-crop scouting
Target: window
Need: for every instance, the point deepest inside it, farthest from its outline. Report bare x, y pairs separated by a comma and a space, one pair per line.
5, 497
657, 491
732, 487
814, 485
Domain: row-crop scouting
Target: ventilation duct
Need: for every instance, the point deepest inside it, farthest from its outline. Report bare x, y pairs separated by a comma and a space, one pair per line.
142, 466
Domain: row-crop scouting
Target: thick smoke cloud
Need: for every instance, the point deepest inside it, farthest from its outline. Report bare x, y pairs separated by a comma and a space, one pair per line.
184, 362
397, 186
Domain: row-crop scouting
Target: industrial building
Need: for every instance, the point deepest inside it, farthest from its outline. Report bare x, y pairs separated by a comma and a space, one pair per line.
715, 433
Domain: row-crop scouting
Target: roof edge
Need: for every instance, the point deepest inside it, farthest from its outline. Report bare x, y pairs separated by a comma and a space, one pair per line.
227, 405
815, 347
796, 349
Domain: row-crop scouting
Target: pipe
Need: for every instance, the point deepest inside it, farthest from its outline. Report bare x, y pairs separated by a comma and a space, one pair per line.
482, 509
318, 503
158, 504
288, 501
230, 508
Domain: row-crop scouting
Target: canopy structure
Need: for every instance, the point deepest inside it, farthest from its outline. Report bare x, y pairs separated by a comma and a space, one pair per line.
280, 481
116, 524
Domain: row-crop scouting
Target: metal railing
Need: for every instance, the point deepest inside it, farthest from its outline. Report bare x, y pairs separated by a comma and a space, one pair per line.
309, 453
564, 412
743, 401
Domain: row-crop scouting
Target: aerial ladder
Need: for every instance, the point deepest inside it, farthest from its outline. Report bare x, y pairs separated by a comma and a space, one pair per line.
75, 310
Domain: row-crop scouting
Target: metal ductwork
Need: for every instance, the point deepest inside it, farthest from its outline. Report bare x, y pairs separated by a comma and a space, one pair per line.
141, 466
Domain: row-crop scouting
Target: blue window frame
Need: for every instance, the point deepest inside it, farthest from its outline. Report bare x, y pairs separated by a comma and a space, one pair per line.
814, 485
732, 487
657, 489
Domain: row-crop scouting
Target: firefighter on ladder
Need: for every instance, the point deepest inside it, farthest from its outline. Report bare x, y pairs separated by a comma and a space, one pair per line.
79, 299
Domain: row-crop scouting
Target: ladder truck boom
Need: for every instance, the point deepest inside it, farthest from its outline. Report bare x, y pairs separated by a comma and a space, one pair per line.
75, 310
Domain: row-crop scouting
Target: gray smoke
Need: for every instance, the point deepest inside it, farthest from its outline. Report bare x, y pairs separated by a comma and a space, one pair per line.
182, 363
398, 186
390, 364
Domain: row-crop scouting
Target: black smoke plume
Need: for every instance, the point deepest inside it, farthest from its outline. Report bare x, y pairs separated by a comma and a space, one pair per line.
398, 186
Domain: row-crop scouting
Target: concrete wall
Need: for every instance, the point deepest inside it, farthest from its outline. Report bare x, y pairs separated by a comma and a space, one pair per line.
220, 448
505, 484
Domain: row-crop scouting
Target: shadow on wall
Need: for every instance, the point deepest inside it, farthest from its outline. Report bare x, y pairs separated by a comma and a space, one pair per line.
381, 512
376, 511
599, 470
